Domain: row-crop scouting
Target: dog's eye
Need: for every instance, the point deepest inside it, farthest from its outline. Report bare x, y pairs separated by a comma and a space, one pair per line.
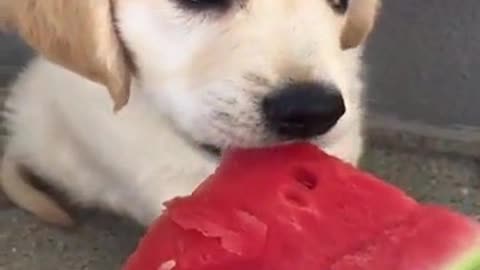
204, 5
339, 6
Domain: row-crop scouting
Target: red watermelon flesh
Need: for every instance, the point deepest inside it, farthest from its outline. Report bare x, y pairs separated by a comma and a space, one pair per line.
294, 207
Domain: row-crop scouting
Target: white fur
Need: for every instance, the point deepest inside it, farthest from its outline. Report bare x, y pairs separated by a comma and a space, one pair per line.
194, 83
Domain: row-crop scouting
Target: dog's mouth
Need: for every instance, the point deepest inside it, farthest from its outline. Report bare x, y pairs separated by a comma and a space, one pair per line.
211, 150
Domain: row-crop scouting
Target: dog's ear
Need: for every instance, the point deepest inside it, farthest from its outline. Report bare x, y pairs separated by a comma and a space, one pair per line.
360, 19
77, 34
5, 15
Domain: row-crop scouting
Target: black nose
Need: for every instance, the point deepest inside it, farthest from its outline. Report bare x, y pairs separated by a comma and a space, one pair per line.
303, 110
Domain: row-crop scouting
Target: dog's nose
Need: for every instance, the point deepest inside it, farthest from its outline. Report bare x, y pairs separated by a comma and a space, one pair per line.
303, 110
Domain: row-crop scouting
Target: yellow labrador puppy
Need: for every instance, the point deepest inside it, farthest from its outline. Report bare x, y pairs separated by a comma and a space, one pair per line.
182, 76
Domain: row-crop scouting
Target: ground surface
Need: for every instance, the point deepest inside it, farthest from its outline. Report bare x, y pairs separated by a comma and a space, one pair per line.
103, 242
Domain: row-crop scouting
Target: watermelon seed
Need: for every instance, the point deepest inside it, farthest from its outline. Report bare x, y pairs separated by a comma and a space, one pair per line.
305, 178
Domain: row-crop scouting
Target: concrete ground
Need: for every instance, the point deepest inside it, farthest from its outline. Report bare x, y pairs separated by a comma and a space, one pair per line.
102, 242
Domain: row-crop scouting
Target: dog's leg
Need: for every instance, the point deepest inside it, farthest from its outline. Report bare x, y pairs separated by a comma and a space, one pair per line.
19, 190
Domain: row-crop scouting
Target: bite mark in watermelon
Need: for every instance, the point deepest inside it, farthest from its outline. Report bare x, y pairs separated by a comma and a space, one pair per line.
294, 207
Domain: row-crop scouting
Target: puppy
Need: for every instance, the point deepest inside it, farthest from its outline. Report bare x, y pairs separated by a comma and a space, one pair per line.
180, 75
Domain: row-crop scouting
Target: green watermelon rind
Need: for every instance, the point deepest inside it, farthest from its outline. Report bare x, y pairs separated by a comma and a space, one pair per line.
469, 261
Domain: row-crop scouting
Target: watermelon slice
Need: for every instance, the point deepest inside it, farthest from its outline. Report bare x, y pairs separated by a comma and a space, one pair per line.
294, 207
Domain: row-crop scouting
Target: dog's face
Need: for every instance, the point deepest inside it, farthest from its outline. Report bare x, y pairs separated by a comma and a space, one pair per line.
244, 72
231, 72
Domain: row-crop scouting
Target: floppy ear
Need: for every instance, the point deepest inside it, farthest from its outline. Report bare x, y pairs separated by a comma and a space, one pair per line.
5, 15
77, 34
360, 19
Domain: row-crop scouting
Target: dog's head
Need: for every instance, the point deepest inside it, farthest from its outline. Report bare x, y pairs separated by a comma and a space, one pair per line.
226, 72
